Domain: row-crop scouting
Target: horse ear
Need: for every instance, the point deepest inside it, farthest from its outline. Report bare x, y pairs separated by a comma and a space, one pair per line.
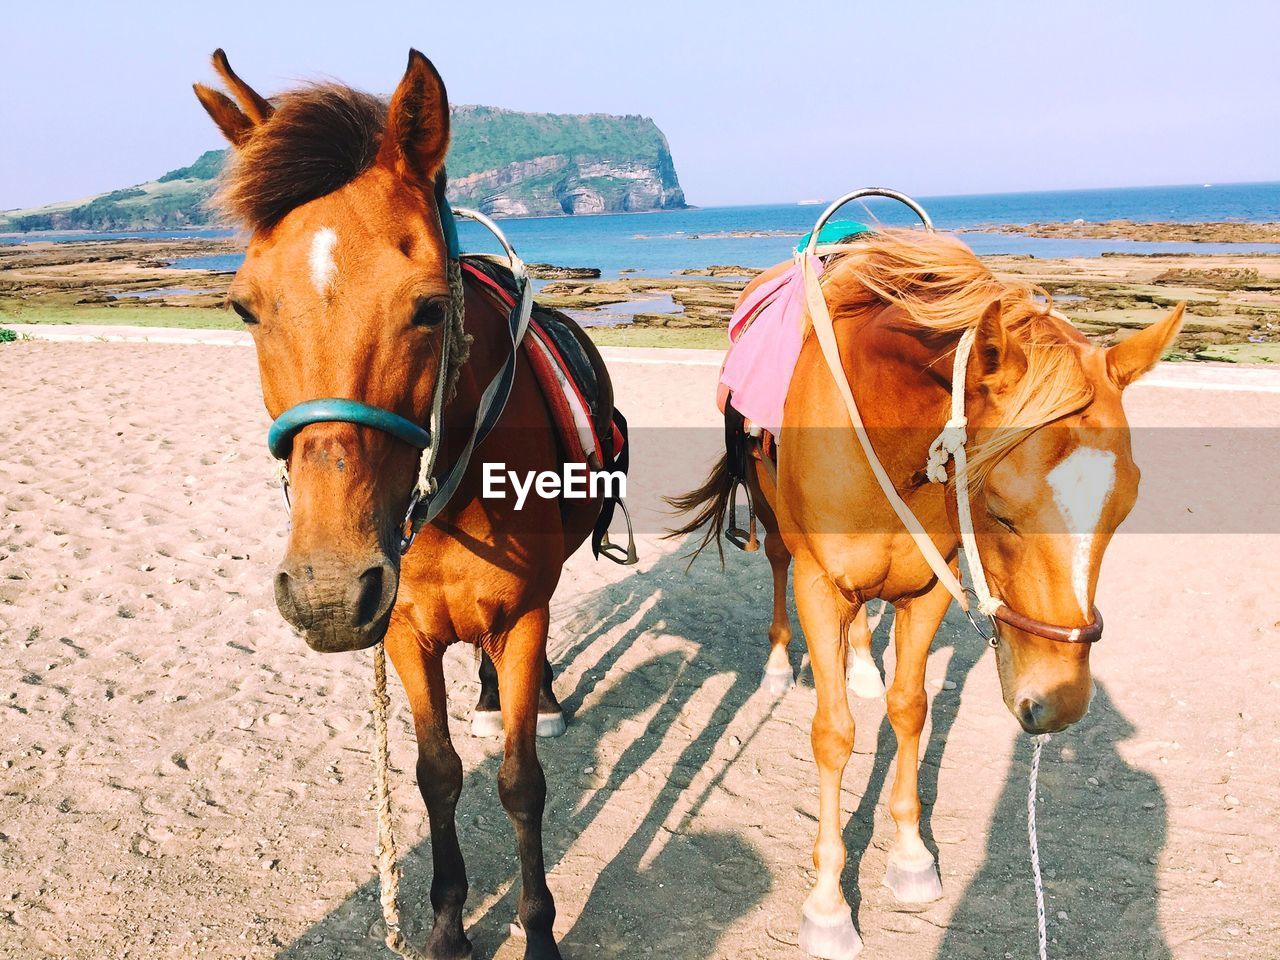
235, 126
1131, 358
235, 122
254, 105
1001, 361
417, 136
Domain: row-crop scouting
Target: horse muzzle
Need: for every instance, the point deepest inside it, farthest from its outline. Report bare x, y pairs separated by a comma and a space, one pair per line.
335, 604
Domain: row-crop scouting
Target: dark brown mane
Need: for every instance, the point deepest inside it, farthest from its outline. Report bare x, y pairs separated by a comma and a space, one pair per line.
318, 139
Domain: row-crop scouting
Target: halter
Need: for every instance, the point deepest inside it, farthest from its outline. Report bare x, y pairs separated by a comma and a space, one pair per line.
950, 443
430, 494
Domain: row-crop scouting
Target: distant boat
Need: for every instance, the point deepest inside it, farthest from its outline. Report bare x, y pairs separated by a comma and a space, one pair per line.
814, 203
1208, 184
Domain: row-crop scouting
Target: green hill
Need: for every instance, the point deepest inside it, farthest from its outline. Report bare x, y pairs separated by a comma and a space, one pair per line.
507, 163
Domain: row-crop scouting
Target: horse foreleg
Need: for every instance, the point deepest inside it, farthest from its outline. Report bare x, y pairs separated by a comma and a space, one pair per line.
521, 784
486, 719
826, 926
864, 676
912, 874
778, 677
440, 782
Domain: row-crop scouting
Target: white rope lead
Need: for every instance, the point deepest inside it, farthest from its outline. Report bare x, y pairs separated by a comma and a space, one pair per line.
388, 870
1034, 843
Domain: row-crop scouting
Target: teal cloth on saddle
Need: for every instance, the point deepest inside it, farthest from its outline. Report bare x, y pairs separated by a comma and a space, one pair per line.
449, 224
833, 231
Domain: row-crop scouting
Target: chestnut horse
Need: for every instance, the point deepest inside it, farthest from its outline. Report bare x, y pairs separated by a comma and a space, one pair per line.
350, 293
1050, 477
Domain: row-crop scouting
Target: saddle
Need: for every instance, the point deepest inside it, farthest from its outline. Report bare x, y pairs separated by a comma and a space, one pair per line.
569, 371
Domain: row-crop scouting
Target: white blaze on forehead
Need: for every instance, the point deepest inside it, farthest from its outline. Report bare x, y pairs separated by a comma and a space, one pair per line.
1081, 484
323, 267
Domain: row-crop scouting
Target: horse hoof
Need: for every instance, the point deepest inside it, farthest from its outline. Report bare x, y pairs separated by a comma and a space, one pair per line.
913, 884
551, 724
831, 938
777, 683
864, 679
486, 723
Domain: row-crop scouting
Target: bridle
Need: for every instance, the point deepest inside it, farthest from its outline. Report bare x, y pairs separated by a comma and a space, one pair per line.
430, 493
949, 444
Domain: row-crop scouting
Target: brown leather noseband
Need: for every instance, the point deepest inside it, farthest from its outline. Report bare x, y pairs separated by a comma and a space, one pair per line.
1089, 633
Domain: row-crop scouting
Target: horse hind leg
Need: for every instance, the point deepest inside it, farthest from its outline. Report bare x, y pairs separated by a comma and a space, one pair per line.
864, 676
551, 722
778, 677
486, 719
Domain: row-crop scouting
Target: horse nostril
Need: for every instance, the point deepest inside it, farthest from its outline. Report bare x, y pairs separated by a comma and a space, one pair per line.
372, 589
1031, 714
289, 600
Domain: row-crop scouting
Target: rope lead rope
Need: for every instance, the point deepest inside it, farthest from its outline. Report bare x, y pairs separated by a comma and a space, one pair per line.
1034, 843
385, 850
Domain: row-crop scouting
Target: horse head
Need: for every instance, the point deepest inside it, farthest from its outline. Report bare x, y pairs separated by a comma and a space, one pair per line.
1051, 497
345, 290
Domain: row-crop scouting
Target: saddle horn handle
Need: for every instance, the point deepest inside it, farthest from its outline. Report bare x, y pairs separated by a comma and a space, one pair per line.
828, 213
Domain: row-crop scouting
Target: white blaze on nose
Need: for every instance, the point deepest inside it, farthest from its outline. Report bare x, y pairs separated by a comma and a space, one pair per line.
1081, 484
323, 267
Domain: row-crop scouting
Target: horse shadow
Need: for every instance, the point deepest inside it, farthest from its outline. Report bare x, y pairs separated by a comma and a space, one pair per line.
1101, 823
649, 700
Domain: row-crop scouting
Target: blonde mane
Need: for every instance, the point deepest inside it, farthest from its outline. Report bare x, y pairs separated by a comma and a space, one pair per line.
941, 285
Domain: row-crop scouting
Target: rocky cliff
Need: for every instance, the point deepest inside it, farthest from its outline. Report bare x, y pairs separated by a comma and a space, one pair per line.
506, 163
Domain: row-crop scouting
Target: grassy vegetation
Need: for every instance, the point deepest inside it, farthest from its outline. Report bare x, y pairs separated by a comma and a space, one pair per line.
194, 318
1241, 353
485, 138
628, 336
199, 318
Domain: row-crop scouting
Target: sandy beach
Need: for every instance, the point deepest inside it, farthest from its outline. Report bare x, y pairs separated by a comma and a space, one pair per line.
180, 777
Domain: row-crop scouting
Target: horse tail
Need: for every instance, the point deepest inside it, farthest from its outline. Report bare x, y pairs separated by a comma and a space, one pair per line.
710, 501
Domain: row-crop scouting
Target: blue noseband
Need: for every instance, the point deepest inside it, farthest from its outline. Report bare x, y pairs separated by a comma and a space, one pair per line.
280, 438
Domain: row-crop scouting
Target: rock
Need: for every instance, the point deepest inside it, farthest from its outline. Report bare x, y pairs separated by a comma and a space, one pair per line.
548, 271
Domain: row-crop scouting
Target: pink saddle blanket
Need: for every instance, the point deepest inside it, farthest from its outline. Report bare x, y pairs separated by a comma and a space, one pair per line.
766, 333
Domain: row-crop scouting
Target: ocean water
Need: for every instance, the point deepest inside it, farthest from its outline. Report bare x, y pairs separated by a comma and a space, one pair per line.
757, 236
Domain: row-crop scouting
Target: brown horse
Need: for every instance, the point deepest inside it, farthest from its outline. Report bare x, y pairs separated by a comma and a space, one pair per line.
347, 290
1050, 478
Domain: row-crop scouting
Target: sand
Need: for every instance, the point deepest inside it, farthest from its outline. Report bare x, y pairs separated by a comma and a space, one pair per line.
181, 777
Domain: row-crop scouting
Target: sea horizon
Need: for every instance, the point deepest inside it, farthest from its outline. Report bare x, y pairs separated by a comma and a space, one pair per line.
662, 242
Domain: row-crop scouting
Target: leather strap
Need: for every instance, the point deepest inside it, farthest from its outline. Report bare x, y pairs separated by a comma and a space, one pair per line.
1090, 633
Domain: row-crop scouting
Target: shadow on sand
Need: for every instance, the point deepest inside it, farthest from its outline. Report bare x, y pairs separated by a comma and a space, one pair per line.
1102, 825
652, 664
623, 667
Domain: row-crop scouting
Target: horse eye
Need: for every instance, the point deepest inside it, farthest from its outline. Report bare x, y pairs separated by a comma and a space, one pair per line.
243, 312
431, 312
1003, 521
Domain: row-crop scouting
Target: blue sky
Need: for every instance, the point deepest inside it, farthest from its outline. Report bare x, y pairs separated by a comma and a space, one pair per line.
761, 102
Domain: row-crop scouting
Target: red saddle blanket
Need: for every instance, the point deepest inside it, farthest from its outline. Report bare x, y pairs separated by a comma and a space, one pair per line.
565, 374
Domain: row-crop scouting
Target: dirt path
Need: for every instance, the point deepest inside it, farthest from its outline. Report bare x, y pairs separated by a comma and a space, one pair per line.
180, 777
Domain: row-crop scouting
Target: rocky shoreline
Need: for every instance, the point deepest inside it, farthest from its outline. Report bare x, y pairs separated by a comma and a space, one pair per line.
1233, 300
1229, 231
